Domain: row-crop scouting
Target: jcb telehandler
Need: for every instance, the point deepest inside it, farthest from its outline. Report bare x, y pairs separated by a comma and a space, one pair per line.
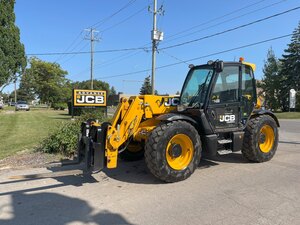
218, 112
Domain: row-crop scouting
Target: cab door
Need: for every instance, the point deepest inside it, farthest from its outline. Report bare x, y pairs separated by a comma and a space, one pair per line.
248, 93
223, 109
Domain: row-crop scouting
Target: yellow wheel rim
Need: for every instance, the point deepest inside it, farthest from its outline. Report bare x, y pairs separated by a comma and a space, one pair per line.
179, 152
266, 138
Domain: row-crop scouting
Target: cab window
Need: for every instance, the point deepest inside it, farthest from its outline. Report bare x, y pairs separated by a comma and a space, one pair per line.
227, 86
247, 84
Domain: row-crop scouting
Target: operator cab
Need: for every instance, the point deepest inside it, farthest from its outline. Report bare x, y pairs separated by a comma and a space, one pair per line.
224, 91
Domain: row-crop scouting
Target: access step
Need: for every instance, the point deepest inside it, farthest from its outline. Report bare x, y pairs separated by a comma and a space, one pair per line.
224, 152
224, 141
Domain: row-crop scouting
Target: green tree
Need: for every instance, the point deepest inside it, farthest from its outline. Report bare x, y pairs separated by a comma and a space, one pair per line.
47, 81
12, 53
290, 69
146, 88
86, 84
113, 91
26, 90
271, 81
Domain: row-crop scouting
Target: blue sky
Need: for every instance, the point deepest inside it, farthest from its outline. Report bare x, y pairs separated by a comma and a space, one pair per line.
58, 26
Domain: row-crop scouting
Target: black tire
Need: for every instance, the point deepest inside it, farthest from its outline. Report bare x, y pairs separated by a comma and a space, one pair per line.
251, 145
134, 152
156, 150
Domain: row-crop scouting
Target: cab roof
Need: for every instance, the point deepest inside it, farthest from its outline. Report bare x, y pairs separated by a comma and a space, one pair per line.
252, 65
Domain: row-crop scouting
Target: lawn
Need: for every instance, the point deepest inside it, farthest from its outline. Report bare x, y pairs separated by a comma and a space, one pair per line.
288, 115
23, 130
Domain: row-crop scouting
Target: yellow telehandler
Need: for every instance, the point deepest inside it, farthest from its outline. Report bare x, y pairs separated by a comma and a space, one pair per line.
218, 112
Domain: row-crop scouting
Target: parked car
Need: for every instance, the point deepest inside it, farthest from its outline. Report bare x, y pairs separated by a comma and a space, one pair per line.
1, 105
11, 104
22, 105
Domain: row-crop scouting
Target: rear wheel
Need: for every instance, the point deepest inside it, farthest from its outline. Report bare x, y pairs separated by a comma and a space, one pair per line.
173, 151
261, 139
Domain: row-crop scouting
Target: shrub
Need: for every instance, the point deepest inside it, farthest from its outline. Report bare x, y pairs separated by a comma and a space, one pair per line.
97, 114
64, 138
59, 106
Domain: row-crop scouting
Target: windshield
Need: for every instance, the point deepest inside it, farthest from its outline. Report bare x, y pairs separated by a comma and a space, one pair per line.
195, 87
21, 102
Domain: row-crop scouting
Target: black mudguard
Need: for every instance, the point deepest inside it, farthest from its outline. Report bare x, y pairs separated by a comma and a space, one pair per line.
175, 116
265, 112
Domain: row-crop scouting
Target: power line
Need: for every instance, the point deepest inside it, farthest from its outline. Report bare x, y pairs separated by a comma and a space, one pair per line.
229, 50
117, 59
174, 57
217, 18
72, 56
121, 9
111, 61
99, 23
73, 42
172, 46
133, 81
200, 57
144, 48
123, 56
88, 52
69, 57
231, 29
107, 29
220, 23
124, 20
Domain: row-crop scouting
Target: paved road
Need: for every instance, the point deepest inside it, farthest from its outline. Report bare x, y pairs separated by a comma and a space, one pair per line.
228, 190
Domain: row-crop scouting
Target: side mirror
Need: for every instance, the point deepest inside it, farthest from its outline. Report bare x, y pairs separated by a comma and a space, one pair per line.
219, 66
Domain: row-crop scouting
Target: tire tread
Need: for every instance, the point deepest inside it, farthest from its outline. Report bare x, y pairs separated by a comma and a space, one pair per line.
154, 159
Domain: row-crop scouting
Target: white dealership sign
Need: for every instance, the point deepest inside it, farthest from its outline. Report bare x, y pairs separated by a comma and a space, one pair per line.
293, 99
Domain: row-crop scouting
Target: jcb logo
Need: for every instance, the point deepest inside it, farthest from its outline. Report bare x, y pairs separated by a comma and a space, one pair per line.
172, 102
227, 118
89, 98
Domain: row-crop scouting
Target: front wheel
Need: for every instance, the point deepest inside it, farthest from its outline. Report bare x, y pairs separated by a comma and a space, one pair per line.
261, 139
173, 151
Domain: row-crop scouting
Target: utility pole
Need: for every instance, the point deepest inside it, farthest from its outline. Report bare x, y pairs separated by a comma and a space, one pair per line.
15, 86
91, 36
156, 36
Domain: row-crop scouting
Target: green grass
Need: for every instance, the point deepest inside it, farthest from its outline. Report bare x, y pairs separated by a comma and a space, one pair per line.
288, 115
23, 130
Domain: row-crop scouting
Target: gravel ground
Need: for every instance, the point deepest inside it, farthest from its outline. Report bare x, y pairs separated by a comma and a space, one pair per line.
28, 160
